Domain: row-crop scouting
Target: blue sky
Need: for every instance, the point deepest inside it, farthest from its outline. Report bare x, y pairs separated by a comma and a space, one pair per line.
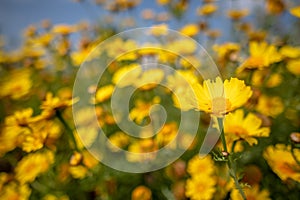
16, 15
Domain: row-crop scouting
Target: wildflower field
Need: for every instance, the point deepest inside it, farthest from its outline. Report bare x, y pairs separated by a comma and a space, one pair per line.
165, 99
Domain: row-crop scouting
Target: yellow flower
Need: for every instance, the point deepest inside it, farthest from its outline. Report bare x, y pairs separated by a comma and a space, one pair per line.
63, 29
119, 47
290, 51
183, 46
53, 197
167, 134
200, 188
144, 149
160, 29
104, 93
270, 106
294, 66
33, 165
237, 126
126, 76
118, 139
162, 2
226, 50
141, 193
275, 6
252, 193
207, 9
78, 172
51, 104
295, 11
237, 14
200, 166
142, 109
281, 161
261, 55
262, 76
17, 84
13, 191
218, 98
190, 30
149, 79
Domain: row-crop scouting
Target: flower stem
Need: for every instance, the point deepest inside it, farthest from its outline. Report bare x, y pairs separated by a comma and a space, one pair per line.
220, 123
68, 128
230, 162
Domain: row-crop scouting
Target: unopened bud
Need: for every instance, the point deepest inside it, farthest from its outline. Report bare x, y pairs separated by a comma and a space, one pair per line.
295, 137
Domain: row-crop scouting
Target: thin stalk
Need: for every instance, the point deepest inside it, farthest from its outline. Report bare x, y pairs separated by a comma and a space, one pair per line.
220, 123
68, 128
230, 162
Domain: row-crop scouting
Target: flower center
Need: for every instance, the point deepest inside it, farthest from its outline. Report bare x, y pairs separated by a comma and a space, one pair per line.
220, 105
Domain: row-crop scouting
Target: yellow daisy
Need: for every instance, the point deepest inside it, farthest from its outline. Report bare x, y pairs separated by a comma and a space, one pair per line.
252, 193
295, 11
281, 161
237, 126
218, 98
261, 55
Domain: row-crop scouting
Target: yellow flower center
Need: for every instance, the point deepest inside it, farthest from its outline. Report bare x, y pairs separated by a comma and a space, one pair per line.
220, 105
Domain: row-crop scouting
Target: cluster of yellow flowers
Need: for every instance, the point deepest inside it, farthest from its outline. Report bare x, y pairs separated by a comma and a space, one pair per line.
255, 107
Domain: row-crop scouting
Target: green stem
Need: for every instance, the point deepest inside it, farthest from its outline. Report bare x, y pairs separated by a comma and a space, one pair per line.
68, 128
230, 162
294, 156
236, 182
220, 123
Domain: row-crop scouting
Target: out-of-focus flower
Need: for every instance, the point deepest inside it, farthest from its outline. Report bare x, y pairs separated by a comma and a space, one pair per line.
182, 47
218, 98
118, 139
33, 165
295, 11
162, 17
281, 161
252, 192
261, 55
200, 188
127, 75
141, 193
104, 93
270, 106
260, 77
149, 79
200, 166
142, 109
294, 66
290, 52
160, 29
202, 183
63, 29
227, 51
162, 2
119, 47
53, 197
213, 33
78, 172
275, 6
237, 126
51, 104
237, 14
257, 36
167, 134
14, 191
144, 150
17, 84
190, 30
147, 14
207, 9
